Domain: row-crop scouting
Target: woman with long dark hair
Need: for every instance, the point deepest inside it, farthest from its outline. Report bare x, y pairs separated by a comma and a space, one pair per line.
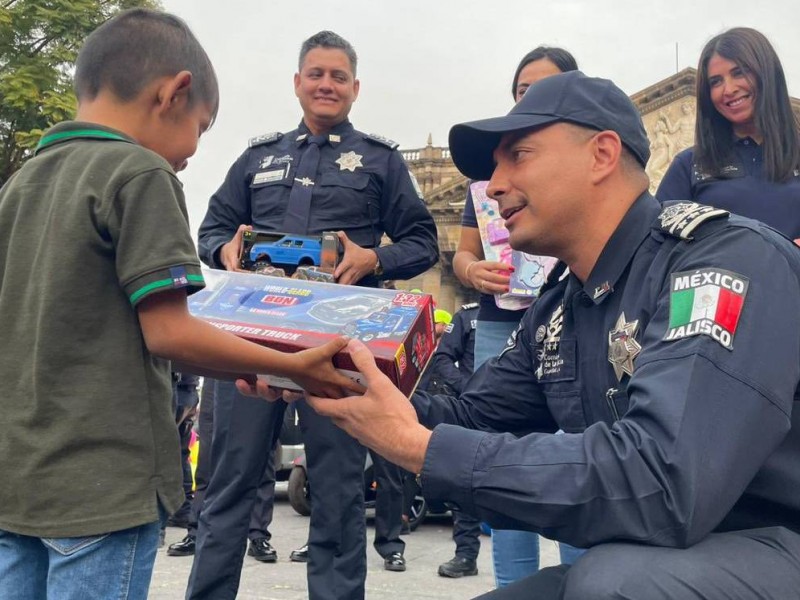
746, 157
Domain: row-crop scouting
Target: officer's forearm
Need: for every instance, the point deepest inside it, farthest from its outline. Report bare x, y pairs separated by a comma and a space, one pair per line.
407, 258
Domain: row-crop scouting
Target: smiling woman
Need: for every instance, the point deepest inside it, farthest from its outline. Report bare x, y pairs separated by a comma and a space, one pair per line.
747, 140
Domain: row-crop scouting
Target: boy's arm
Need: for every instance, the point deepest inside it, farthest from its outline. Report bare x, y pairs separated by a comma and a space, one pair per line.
171, 332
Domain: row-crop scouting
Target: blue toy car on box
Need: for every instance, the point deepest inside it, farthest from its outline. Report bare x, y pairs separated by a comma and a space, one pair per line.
261, 248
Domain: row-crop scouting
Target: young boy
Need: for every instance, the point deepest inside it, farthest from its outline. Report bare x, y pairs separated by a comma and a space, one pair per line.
96, 260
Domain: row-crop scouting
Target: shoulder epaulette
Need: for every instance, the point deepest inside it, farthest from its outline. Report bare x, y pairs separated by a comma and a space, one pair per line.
681, 219
379, 139
469, 306
267, 138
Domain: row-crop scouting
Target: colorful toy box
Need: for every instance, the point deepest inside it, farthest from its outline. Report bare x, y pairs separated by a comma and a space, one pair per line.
292, 314
530, 271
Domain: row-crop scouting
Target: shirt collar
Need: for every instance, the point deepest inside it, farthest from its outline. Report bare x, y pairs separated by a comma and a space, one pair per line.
745, 141
76, 130
620, 248
334, 136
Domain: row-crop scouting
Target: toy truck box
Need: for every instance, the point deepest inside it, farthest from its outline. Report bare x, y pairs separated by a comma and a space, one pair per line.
293, 314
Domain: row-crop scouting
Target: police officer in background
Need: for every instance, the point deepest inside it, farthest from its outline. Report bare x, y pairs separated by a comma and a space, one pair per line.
452, 362
260, 515
448, 370
186, 398
322, 176
669, 354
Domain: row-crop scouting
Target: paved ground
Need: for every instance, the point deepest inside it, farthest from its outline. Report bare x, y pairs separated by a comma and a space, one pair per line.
426, 548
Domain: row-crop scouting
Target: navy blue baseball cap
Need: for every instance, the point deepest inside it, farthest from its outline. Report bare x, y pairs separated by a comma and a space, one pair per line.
570, 97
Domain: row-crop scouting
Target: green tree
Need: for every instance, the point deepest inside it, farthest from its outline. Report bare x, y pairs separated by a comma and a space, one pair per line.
39, 41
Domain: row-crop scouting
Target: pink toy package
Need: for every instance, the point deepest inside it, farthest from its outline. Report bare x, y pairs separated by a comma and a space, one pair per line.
530, 271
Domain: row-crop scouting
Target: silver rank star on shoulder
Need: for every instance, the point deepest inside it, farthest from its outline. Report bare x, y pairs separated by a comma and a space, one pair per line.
622, 347
349, 161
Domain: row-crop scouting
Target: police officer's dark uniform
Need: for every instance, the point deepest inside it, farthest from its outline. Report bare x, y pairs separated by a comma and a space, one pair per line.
186, 399
448, 370
452, 363
673, 369
361, 186
744, 189
261, 513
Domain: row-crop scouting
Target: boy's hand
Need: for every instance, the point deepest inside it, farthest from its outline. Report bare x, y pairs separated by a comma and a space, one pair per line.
230, 253
382, 419
256, 386
316, 374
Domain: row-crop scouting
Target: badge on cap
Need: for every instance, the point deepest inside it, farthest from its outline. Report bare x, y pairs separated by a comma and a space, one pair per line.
622, 346
349, 161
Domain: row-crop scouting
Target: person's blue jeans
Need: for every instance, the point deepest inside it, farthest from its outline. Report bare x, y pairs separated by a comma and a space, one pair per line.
515, 555
491, 338
115, 565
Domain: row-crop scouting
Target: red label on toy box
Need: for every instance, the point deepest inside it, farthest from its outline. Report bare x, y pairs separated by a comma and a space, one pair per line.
291, 315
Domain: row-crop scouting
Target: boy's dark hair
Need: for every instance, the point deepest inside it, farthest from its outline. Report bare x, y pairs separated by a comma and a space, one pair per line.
558, 56
752, 52
328, 39
135, 47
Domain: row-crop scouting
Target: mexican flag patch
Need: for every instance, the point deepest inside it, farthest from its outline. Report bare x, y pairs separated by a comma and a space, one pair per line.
706, 302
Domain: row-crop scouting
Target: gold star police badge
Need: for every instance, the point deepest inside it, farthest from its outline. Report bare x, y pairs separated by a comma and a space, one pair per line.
349, 161
622, 347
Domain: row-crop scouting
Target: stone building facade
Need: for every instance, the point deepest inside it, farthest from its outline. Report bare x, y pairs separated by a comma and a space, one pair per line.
668, 114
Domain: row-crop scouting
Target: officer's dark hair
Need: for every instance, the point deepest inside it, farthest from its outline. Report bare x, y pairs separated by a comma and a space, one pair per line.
328, 39
558, 56
629, 164
774, 118
130, 50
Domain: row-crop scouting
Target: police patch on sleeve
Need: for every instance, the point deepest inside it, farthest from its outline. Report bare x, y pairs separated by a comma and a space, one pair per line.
706, 302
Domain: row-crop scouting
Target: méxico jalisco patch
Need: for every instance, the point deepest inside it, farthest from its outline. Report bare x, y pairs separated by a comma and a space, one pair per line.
706, 302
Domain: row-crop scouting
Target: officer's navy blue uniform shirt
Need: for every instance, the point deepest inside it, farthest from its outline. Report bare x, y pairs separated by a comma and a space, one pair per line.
454, 359
744, 190
695, 440
369, 193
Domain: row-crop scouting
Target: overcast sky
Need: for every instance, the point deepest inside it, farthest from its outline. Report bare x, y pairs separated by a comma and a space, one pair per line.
427, 64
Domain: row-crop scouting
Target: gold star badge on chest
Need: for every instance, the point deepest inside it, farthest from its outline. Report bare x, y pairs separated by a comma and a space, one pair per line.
622, 346
349, 161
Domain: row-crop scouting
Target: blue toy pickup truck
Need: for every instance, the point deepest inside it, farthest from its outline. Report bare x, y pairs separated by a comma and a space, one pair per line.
260, 249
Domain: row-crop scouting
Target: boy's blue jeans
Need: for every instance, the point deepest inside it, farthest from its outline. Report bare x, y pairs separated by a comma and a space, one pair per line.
114, 566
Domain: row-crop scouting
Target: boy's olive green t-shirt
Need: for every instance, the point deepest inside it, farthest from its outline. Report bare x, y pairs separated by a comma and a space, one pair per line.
89, 227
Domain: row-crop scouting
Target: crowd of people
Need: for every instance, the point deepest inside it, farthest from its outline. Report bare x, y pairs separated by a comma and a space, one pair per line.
639, 410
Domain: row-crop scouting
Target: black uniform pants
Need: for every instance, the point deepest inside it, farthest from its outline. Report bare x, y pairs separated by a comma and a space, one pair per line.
466, 535
756, 564
261, 513
241, 443
388, 506
337, 554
